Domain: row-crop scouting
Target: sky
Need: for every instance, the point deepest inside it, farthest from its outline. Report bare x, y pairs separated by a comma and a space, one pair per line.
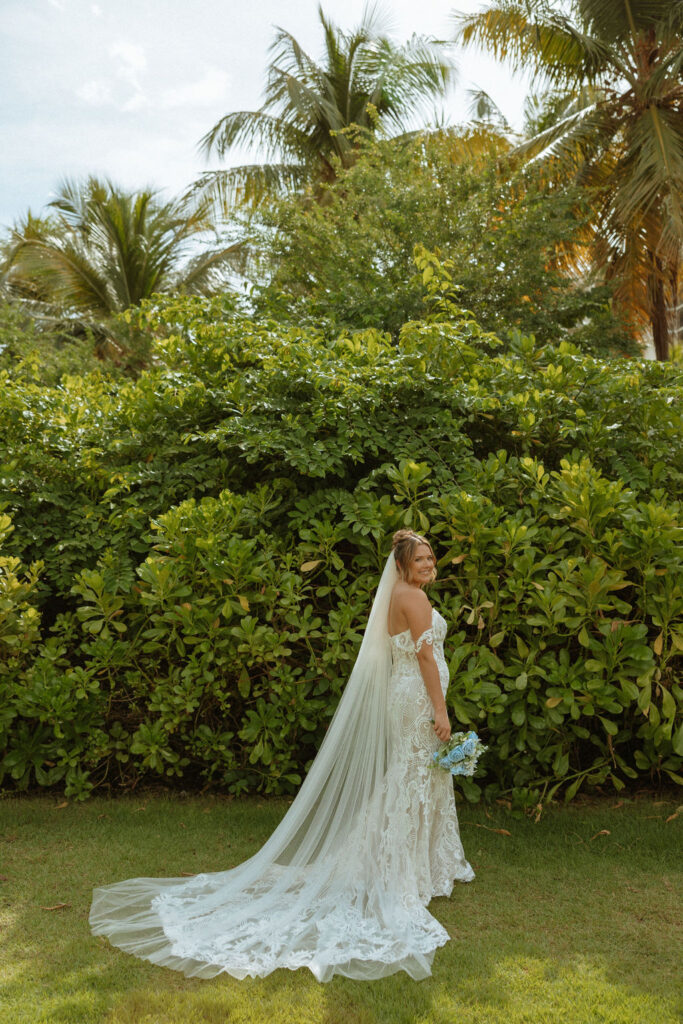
126, 88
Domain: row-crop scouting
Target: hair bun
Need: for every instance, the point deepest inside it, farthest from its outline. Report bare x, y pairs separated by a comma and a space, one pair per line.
402, 535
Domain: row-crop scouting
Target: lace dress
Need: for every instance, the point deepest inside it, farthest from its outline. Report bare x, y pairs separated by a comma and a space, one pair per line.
355, 906
422, 823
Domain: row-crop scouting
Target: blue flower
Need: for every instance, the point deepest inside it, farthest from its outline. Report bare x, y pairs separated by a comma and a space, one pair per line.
459, 756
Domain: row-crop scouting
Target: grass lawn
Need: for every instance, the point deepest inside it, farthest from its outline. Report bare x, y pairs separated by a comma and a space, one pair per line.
573, 919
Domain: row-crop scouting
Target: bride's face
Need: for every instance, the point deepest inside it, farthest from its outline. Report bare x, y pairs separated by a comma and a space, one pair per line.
421, 569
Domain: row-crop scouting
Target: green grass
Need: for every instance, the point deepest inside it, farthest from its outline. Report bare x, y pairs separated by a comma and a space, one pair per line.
562, 925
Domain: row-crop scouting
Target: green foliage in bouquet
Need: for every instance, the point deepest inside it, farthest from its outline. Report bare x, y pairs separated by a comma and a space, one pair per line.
204, 543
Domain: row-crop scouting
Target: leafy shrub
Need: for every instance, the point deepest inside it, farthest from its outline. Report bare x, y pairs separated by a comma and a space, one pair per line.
43, 349
19, 619
211, 535
348, 261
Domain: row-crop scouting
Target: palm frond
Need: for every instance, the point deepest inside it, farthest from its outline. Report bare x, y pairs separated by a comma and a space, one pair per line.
529, 35
104, 249
288, 60
205, 272
248, 185
611, 121
309, 107
63, 271
253, 127
573, 140
624, 20
400, 80
664, 84
543, 110
483, 108
651, 167
671, 23
376, 21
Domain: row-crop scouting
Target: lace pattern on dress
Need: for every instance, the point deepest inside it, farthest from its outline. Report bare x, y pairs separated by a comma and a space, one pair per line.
421, 840
355, 906
425, 638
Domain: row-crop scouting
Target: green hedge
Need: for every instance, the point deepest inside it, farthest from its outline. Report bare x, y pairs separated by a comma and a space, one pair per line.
204, 543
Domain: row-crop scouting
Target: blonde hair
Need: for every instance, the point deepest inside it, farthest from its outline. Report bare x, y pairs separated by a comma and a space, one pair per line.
404, 544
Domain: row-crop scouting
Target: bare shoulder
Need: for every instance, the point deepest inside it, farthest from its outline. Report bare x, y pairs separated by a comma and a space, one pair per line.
411, 604
410, 609
412, 598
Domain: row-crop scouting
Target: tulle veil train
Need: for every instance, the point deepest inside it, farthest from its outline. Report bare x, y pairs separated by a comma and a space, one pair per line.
318, 894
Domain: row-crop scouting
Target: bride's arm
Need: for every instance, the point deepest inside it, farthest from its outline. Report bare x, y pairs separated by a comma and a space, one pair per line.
418, 612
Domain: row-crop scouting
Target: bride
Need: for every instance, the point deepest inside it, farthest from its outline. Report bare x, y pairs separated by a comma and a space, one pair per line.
342, 885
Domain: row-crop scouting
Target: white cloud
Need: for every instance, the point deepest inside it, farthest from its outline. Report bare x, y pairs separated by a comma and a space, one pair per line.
132, 55
209, 89
138, 101
96, 93
126, 88
132, 61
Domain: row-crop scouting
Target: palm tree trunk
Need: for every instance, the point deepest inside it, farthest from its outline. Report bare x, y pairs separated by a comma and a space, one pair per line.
676, 310
659, 319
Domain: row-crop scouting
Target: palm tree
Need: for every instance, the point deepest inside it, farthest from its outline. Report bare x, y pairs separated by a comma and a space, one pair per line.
103, 250
612, 121
363, 79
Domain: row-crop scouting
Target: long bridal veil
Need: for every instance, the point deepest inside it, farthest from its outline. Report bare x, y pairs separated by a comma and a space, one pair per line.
322, 892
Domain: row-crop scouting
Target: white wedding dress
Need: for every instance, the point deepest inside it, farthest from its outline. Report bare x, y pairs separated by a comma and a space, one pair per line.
421, 828
342, 885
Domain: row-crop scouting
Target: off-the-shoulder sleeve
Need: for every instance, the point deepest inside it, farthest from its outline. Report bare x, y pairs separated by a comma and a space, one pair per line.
426, 638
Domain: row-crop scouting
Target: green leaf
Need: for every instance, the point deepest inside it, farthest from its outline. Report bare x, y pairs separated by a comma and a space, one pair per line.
573, 789
244, 683
645, 698
641, 760
677, 741
522, 648
518, 715
668, 705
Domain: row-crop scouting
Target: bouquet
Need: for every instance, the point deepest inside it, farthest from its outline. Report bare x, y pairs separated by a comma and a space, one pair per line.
460, 754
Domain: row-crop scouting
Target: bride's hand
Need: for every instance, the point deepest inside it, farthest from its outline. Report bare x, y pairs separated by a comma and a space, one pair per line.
442, 726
